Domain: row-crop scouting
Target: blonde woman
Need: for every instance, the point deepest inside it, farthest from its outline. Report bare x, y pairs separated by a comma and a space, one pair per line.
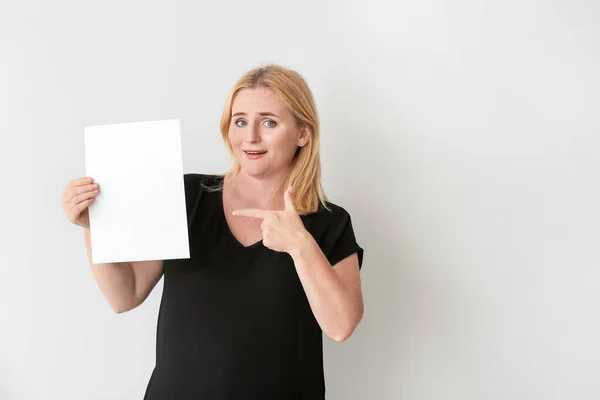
273, 264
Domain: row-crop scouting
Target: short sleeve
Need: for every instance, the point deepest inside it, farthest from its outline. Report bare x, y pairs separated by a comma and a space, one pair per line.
339, 240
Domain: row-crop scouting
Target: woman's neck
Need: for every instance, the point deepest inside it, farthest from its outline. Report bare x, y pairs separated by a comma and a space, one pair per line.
263, 193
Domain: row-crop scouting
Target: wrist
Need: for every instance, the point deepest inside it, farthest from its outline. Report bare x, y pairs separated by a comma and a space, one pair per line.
304, 246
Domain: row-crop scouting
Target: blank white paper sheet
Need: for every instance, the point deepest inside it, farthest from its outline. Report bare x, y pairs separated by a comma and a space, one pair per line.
140, 213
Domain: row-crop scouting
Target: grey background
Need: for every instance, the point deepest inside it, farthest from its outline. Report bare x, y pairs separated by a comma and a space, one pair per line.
462, 136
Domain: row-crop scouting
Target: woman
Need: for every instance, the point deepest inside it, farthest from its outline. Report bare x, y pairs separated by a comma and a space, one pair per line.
272, 263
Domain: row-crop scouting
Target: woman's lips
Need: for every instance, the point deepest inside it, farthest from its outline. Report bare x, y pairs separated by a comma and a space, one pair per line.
254, 155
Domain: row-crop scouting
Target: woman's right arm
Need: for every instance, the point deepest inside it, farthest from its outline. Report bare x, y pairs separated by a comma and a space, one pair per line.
124, 285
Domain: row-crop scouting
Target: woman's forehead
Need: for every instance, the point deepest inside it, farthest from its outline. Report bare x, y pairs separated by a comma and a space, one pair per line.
257, 100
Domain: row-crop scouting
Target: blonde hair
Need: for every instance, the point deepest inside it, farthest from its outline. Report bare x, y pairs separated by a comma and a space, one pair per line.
291, 88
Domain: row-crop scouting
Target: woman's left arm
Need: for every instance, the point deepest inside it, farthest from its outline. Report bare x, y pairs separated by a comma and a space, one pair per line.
334, 293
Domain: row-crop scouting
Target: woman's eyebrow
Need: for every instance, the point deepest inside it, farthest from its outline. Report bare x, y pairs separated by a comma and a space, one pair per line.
263, 113
269, 114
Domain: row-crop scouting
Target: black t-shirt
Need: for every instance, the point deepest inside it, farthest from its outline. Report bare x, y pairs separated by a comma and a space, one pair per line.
234, 321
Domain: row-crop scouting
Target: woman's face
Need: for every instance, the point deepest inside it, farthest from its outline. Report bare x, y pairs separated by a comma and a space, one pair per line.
263, 133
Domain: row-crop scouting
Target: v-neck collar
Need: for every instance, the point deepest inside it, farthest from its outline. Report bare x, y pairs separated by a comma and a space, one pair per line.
257, 244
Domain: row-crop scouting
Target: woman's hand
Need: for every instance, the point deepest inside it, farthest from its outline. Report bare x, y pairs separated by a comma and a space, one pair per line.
76, 198
281, 230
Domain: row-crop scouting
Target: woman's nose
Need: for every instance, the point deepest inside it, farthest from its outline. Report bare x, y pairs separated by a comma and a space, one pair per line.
252, 135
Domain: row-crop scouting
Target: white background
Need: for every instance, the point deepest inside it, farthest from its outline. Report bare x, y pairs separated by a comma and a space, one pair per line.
462, 136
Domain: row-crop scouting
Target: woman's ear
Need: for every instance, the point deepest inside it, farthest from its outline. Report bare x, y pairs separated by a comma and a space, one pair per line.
304, 136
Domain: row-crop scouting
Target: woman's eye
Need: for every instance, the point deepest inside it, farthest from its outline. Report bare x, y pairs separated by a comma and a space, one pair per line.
270, 123
240, 122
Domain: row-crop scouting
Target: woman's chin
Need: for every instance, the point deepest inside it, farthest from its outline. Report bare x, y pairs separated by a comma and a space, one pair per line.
254, 171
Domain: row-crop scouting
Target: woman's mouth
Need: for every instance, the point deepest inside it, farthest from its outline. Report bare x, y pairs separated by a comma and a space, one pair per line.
253, 155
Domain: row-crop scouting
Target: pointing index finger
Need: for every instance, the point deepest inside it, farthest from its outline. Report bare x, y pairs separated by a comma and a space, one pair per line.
251, 212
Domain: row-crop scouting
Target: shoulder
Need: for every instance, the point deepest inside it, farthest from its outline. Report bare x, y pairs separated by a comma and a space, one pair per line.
331, 226
197, 179
196, 188
195, 182
328, 214
330, 220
